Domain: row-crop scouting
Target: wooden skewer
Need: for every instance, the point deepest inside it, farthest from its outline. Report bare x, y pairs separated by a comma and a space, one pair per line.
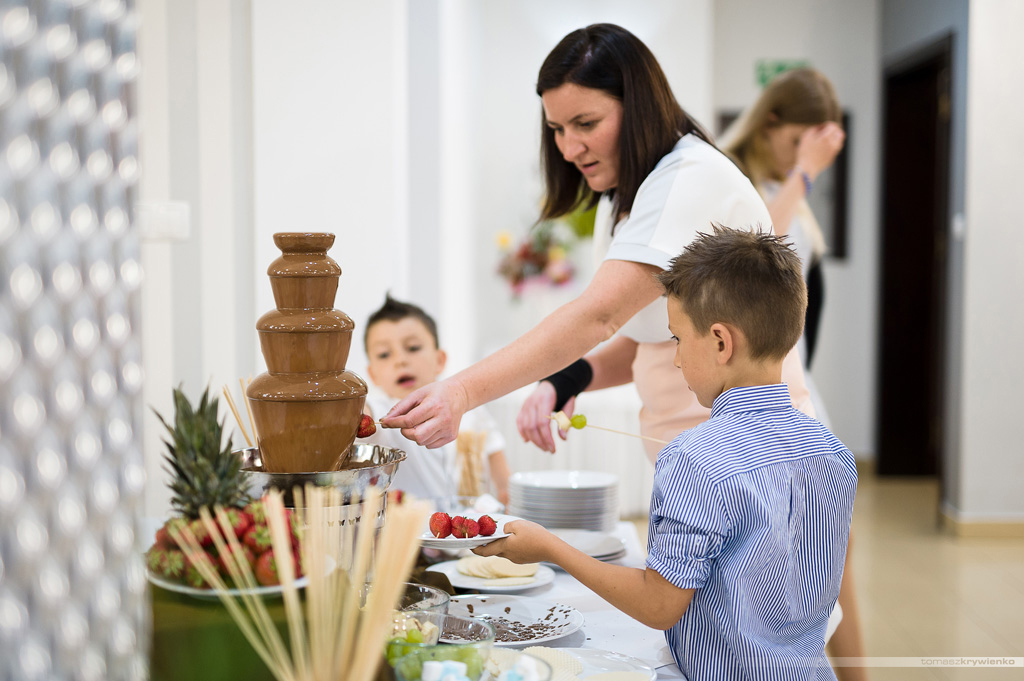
248, 408
620, 432
238, 417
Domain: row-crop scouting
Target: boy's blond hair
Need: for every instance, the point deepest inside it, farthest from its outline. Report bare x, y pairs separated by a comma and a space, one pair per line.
749, 279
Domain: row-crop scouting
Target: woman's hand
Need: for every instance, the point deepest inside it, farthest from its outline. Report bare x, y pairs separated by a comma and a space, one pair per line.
430, 416
819, 145
533, 420
528, 543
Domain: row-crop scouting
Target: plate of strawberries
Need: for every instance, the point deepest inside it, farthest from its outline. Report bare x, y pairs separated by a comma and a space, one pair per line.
445, 531
168, 567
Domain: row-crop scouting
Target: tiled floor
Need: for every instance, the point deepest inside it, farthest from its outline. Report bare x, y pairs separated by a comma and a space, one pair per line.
924, 592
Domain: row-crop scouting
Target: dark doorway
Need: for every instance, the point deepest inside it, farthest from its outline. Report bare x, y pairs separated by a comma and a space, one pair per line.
915, 222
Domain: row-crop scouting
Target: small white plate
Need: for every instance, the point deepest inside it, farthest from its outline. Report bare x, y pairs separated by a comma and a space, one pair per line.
522, 620
600, 661
449, 569
211, 594
451, 543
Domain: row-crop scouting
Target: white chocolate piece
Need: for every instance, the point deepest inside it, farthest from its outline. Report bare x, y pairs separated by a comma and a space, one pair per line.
495, 567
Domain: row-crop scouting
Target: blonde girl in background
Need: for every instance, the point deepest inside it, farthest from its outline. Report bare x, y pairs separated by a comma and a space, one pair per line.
783, 143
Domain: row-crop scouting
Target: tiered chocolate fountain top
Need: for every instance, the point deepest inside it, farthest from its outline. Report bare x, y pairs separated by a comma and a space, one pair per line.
306, 406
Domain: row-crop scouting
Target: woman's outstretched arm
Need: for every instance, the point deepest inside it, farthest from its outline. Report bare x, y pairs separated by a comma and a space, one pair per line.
619, 289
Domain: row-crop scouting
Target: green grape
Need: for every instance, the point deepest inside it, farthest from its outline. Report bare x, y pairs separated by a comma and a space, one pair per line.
578, 421
414, 636
473, 660
410, 667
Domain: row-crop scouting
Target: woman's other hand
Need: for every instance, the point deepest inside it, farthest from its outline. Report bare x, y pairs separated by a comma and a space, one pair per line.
818, 148
430, 416
534, 420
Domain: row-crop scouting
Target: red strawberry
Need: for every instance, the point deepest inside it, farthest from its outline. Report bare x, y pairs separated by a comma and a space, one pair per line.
295, 528
245, 553
300, 563
257, 538
470, 529
163, 535
173, 565
440, 525
266, 569
366, 426
202, 535
256, 512
192, 575
240, 521
155, 558
487, 526
457, 522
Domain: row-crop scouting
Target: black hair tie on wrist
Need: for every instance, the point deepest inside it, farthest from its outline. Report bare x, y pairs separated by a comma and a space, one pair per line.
570, 381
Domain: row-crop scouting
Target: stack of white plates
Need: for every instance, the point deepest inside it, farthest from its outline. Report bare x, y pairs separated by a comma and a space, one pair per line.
600, 545
585, 500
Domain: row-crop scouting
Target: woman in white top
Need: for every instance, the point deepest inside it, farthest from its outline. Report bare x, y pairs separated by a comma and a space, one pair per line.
783, 142
614, 134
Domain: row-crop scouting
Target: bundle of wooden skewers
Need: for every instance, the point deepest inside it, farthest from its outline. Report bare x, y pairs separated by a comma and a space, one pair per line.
331, 638
469, 452
238, 416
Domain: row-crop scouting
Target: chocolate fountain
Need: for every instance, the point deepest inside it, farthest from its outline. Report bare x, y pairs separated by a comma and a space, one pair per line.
307, 406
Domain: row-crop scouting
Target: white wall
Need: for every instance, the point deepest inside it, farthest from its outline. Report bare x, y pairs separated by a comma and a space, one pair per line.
842, 40
330, 144
991, 461
193, 118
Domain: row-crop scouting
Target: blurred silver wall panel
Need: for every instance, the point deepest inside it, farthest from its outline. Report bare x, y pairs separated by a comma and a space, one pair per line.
72, 588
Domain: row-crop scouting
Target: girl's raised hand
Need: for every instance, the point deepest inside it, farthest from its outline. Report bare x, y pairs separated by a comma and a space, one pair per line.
818, 148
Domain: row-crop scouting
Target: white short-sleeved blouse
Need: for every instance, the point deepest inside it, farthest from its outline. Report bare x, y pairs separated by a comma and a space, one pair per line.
693, 186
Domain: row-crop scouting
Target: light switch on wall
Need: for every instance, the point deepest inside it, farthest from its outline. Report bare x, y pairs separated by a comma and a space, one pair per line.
163, 220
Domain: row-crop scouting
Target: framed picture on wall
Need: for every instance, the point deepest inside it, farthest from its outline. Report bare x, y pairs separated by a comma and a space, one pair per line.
830, 196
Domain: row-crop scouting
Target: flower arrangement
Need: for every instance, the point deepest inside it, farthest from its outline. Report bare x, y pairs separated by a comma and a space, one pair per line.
542, 255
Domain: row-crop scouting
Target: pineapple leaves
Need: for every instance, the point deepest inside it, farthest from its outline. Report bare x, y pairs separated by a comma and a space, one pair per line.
203, 473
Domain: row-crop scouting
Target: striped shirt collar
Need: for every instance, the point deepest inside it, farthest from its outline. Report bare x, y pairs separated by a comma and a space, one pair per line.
752, 398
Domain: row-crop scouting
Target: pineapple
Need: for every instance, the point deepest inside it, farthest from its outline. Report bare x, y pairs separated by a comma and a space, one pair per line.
204, 473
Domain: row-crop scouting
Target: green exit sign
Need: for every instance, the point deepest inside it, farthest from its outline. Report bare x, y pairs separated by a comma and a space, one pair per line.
767, 69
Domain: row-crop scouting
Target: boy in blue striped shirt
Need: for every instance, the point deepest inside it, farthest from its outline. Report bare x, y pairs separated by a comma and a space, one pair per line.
750, 512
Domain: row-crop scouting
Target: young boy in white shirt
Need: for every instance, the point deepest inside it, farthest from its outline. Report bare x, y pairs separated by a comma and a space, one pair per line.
750, 512
401, 343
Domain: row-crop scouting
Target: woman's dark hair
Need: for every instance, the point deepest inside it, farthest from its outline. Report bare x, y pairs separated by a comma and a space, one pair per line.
609, 58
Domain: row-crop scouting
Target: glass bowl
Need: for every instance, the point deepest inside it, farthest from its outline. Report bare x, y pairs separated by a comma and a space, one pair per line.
423, 597
432, 636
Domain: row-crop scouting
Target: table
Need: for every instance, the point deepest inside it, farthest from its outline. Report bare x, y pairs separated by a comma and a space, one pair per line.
197, 639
